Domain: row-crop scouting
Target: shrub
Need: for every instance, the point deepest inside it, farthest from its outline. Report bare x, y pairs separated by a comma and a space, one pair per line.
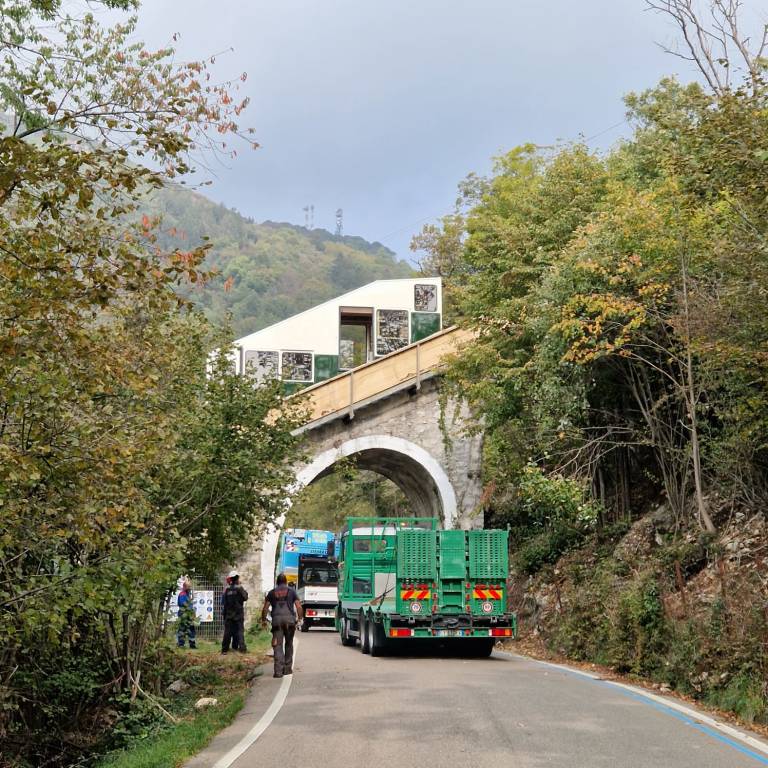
548, 518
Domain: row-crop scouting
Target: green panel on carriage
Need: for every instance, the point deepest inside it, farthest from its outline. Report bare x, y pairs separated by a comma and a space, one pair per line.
488, 555
416, 554
453, 554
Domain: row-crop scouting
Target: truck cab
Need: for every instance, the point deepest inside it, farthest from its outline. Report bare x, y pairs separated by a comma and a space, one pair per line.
317, 589
298, 542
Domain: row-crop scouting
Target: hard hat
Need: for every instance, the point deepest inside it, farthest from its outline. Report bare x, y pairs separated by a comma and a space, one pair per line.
233, 574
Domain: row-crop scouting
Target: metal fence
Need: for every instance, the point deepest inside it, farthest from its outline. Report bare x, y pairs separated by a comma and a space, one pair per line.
206, 596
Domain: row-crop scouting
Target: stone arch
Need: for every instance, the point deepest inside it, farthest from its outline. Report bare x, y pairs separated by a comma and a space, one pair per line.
418, 474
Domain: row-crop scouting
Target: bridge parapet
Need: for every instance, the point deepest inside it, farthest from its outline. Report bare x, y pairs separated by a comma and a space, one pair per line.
342, 395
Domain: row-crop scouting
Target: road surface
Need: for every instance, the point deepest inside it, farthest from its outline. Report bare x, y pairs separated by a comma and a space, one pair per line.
347, 709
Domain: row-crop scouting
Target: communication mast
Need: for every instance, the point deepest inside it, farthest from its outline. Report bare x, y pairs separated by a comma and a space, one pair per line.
309, 216
339, 222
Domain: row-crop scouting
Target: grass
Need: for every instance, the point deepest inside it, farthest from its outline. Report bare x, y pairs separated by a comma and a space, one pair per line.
209, 674
172, 747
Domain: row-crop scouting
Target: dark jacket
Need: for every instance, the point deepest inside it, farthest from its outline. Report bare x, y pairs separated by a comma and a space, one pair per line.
233, 599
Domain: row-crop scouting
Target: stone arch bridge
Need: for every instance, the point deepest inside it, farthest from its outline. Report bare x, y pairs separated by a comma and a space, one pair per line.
387, 416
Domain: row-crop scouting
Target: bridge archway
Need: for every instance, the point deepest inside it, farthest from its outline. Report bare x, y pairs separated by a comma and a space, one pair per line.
413, 469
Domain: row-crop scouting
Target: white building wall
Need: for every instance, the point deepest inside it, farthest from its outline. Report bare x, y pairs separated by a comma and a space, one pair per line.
316, 330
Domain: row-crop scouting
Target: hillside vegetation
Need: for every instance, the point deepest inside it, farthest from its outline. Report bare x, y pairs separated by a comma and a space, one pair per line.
621, 374
267, 271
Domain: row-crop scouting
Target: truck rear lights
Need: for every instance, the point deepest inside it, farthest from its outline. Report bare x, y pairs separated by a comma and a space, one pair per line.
497, 632
310, 612
400, 632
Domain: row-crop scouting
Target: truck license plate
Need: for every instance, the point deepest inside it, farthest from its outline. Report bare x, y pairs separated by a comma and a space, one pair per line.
450, 633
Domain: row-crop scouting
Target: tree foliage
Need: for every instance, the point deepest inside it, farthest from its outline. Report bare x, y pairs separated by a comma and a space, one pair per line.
126, 454
617, 304
346, 492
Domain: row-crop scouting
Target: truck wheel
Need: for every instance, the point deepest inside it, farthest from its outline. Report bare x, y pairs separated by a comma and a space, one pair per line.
376, 639
365, 640
346, 639
305, 625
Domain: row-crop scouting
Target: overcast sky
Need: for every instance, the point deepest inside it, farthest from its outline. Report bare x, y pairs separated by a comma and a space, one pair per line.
381, 108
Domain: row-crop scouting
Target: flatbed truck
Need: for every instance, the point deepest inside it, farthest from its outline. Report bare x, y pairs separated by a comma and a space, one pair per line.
405, 579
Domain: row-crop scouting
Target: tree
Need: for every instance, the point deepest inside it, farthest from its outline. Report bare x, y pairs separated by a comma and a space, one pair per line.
717, 46
103, 371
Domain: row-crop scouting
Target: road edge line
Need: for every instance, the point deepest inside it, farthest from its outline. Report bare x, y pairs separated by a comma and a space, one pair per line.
264, 722
694, 714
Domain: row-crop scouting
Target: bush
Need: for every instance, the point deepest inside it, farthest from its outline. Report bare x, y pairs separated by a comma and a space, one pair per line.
548, 518
639, 635
546, 549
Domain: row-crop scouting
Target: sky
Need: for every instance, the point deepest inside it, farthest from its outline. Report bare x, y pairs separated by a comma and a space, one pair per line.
381, 108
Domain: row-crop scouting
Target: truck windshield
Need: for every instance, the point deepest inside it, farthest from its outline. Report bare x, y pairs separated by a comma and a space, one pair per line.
318, 575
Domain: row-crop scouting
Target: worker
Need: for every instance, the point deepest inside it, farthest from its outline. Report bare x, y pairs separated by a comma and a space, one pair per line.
234, 614
186, 616
286, 612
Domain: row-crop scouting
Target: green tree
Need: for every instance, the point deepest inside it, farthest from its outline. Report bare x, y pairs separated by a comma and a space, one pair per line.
103, 387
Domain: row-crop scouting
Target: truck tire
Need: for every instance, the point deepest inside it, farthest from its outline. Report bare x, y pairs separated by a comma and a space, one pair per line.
346, 638
376, 639
365, 640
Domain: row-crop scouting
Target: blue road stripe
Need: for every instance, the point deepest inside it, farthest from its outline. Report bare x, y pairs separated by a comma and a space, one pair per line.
762, 759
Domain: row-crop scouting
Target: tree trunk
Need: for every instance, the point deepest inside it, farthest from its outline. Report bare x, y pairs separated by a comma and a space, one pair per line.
705, 521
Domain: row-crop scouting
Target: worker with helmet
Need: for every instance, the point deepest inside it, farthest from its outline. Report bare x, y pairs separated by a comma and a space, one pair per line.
233, 601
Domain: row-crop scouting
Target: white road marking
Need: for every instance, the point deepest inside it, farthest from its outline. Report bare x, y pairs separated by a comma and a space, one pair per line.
694, 714
264, 722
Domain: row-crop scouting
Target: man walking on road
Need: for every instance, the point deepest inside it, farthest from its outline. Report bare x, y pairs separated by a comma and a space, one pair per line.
234, 614
286, 611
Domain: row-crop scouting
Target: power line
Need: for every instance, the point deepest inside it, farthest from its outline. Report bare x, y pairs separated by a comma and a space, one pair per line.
439, 215
610, 128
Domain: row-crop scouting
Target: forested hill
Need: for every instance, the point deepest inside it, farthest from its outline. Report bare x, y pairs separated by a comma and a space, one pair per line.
268, 271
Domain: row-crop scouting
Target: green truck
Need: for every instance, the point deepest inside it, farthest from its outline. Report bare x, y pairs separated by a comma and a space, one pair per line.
403, 578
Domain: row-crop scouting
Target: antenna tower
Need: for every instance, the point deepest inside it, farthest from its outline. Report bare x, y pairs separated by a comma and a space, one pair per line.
311, 216
306, 216
339, 222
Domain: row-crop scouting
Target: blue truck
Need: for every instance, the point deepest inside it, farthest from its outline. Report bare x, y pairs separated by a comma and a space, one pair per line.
308, 559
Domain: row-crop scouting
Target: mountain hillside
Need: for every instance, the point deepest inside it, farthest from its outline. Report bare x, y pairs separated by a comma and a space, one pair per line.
276, 269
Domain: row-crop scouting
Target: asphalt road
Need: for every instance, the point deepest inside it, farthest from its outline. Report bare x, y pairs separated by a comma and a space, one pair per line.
347, 709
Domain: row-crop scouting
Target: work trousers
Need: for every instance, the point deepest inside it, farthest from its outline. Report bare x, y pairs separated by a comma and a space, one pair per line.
233, 632
282, 643
186, 629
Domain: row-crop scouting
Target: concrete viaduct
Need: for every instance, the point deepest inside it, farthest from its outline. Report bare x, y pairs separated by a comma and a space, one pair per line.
387, 416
